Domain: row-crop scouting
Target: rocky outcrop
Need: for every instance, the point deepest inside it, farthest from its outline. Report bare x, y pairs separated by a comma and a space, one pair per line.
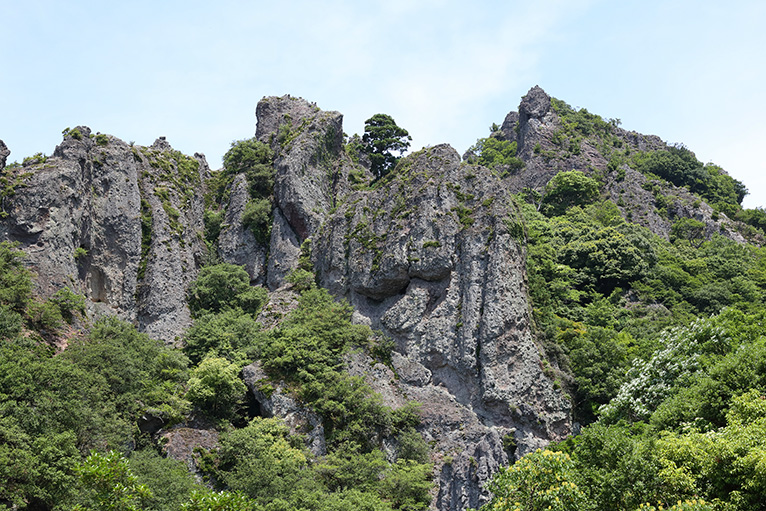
274, 400
119, 224
4, 153
308, 145
237, 243
433, 257
547, 148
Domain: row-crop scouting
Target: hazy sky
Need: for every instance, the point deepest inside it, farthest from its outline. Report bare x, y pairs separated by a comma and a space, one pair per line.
688, 71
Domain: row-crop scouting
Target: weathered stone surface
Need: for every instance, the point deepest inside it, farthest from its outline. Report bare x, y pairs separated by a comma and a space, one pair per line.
284, 251
236, 243
4, 153
430, 259
180, 441
535, 128
275, 401
78, 217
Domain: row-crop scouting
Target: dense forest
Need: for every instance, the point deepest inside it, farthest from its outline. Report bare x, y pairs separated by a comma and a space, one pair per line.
656, 341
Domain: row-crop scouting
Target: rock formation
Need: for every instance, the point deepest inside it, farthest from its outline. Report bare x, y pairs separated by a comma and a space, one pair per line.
431, 255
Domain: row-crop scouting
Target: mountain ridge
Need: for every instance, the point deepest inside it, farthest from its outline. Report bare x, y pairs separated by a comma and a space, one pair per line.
433, 255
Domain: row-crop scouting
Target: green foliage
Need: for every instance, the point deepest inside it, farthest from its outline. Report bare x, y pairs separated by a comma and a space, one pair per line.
15, 280
568, 189
68, 303
252, 300
215, 385
225, 334
689, 230
496, 154
687, 364
102, 139
219, 501
306, 351
143, 374
218, 288
35, 159
381, 136
581, 121
412, 446
406, 485
168, 480
618, 467
257, 218
679, 166
36, 470
246, 155
79, 253
301, 280
44, 316
10, 322
106, 483
539, 481
603, 291
260, 461
213, 220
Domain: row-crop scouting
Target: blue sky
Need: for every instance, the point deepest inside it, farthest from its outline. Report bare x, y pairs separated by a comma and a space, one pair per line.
688, 71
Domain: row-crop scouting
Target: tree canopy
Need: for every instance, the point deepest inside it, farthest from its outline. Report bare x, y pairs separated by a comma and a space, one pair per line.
381, 136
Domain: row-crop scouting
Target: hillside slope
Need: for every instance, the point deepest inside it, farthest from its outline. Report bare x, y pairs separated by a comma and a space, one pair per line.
488, 274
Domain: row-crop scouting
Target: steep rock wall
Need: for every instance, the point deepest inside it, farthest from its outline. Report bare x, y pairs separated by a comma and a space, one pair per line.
433, 257
78, 216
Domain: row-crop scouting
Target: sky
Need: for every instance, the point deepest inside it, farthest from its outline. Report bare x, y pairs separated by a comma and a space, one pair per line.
691, 72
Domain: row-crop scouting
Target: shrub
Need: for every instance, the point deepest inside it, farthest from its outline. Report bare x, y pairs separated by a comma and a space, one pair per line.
68, 303
217, 288
215, 385
302, 280
15, 280
257, 218
245, 155
223, 335
568, 189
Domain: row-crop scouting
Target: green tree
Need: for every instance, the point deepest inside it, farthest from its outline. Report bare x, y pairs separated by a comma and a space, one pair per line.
567, 189
381, 136
106, 483
539, 481
215, 385
246, 155
260, 461
494, 153
222, 335
690, 230
169, 480
217, 288
15, 280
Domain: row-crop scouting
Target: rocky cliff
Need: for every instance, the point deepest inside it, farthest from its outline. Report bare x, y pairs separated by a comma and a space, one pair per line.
432, 256
120, 224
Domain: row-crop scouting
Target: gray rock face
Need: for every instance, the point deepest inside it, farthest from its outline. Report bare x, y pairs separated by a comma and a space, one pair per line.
4, 153
236, 243
430, 259
537, 129
275, 401
78, 216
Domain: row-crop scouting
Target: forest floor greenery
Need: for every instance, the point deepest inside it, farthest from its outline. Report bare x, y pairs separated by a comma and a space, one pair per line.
69, 435
661, 346
658, 342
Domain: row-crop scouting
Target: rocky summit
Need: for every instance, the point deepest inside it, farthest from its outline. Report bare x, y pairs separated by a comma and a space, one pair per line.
432, 256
